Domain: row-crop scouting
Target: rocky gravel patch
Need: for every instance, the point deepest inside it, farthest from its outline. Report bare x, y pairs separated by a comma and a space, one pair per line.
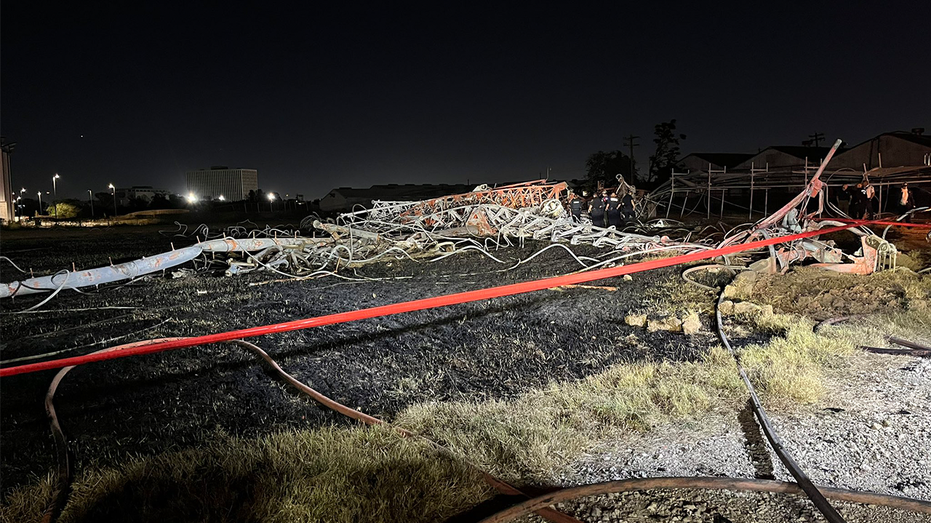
708, 506
871, 432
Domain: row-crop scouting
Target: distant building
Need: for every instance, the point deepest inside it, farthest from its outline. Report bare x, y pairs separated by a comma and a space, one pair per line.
717, 161
781, 157
231, 184
7, 195
896, 149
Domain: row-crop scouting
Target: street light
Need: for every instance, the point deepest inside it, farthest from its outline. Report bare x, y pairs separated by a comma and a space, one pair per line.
271, 198
55, 193
113, 190
40, 201
90, 197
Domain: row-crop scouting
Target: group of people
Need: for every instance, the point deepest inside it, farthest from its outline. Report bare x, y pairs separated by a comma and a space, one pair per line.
606, 209
861, 200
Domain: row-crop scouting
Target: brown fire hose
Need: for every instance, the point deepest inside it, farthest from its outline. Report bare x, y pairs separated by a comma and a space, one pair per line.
710, 483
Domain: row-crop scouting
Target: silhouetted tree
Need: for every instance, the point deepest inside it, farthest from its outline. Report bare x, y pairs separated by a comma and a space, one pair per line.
137, 203
65, 210
105, 201
159, 202
605, 166
176, 201
667, 152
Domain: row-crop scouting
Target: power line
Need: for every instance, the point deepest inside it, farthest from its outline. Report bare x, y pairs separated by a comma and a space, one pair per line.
629, 142
815, 139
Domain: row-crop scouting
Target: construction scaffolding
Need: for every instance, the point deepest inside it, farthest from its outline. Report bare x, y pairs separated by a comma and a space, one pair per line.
740, 190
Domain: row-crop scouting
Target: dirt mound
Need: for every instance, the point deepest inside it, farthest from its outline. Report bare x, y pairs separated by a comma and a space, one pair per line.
822, 294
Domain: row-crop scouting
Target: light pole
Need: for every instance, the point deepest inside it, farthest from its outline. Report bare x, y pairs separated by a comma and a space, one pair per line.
55, 193
40, 201
90, 197
271, 198
113, 190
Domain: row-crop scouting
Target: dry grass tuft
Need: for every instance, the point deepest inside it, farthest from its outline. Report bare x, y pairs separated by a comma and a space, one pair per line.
791, 367
525, 440
330, 474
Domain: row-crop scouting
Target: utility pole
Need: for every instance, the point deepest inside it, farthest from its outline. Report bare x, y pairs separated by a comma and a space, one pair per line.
629, 142
816, 138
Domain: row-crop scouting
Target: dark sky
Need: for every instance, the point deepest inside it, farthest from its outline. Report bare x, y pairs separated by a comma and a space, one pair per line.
320, 97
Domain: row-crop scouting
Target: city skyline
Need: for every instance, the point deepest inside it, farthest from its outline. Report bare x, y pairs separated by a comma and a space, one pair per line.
343, 96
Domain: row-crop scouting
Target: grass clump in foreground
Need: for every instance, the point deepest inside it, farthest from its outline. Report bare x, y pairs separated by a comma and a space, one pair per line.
527, 439
328, 474
790, 368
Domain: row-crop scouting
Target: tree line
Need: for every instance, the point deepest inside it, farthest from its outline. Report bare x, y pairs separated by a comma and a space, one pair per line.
604, 166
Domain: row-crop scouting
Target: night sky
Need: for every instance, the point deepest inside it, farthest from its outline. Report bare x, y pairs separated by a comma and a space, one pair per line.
320, 97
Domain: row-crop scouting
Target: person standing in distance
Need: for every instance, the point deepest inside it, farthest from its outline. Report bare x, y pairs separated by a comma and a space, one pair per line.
906, 202
869, 195
627, 206
857, 202
596, 209
575, 207
614, 211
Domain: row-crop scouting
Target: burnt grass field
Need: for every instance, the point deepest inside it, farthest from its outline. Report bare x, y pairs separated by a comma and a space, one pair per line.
167, 401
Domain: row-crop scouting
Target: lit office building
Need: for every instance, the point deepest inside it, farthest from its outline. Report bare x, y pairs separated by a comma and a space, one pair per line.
221, 181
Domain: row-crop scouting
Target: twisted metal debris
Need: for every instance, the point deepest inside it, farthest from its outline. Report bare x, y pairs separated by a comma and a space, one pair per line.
483, 219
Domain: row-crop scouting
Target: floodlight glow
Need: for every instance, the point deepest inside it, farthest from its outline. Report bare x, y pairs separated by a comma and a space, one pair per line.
191, 197
222, 199
271, 197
